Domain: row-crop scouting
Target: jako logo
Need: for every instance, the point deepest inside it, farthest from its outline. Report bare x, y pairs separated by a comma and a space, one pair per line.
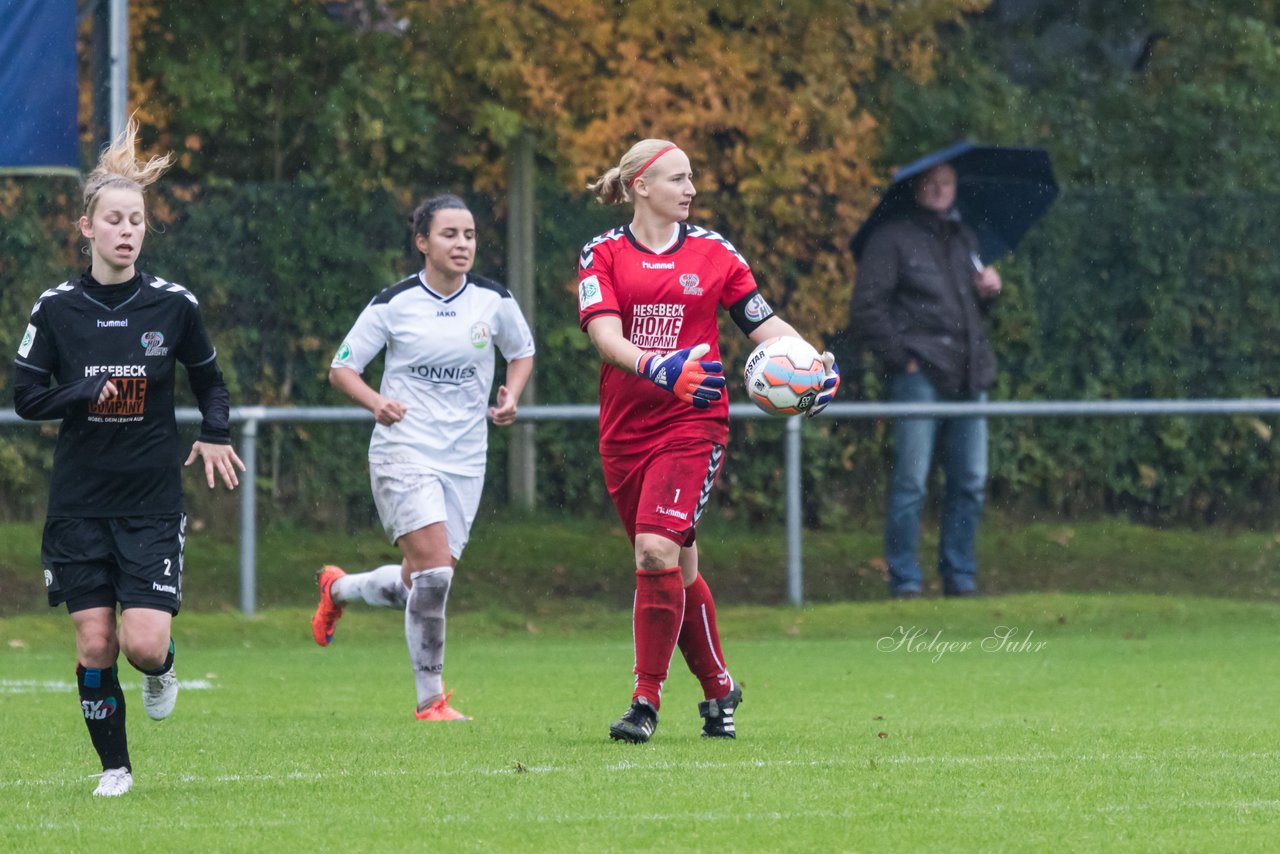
98, 710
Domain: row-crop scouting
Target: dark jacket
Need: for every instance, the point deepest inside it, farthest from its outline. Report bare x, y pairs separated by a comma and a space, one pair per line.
915, 298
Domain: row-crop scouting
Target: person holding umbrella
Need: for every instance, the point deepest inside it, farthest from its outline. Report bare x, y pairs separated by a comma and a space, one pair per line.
919, 304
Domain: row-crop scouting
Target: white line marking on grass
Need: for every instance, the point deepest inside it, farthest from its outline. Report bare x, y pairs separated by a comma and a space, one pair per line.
630, 766
169, 823
1162, 805
613, 820
59, 686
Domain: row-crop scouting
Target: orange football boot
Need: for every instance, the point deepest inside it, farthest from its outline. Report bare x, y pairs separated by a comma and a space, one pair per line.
328, 611
440, 710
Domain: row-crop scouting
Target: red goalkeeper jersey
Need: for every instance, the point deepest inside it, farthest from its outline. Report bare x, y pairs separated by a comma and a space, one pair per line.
667, 300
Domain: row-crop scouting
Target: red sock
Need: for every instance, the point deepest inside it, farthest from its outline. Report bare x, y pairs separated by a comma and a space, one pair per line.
656, 624
700, 641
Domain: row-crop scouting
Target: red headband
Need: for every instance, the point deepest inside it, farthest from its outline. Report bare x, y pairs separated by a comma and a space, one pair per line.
649, 163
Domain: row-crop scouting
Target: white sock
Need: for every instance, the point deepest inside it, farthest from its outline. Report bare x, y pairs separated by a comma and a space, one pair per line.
381, 587
424, 629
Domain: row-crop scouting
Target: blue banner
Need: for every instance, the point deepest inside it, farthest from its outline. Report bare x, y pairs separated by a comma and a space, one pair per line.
38, 96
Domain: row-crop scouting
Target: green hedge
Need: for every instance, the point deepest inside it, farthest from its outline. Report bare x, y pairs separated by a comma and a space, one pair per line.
1145, 295
1114, 295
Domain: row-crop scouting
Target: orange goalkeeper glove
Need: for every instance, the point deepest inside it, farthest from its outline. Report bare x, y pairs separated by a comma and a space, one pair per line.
684, 374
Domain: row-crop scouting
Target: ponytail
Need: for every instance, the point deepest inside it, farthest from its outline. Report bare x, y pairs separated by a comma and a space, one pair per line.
614, 186
118, 166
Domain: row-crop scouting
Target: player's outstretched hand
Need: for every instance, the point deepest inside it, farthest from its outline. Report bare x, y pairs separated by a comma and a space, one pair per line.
684, 374
219, 458
830, 384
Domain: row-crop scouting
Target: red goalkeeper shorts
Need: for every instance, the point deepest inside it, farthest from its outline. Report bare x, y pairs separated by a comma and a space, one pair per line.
663, 490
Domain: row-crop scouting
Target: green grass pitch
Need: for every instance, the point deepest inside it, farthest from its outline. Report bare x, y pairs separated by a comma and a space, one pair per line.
1107, 723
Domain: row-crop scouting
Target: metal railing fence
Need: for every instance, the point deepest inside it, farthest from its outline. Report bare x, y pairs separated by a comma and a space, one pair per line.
250, 417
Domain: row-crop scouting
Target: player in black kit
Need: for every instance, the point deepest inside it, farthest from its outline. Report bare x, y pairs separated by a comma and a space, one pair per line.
110, 341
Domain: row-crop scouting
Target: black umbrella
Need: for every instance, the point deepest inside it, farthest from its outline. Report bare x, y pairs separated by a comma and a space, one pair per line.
1000, 193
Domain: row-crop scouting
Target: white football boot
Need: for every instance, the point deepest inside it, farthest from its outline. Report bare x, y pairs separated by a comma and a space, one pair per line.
114, 783
159, 694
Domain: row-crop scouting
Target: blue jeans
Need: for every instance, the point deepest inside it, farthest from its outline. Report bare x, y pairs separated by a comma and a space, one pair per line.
962, 444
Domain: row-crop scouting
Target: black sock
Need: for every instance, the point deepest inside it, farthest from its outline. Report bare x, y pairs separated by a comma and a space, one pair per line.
102, 702
162, 669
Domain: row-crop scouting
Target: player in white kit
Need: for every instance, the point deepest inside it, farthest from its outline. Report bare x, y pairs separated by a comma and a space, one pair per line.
439, 328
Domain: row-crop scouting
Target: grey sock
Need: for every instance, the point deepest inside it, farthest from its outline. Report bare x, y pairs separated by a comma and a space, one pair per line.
424, 629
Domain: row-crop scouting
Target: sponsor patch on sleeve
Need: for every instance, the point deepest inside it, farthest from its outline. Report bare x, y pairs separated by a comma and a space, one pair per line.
588, 293
24, 349
757, 309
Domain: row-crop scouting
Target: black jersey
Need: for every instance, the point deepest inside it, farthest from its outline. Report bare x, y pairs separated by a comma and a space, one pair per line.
122, 457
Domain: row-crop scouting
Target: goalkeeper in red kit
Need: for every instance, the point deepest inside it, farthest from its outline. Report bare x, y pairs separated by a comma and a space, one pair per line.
648, 296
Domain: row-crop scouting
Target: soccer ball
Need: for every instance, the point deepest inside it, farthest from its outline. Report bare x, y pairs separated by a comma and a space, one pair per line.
784, 376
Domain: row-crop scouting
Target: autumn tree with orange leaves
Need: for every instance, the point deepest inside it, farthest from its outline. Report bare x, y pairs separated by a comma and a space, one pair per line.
775, 102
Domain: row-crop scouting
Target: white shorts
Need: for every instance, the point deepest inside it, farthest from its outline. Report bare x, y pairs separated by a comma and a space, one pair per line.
410, 495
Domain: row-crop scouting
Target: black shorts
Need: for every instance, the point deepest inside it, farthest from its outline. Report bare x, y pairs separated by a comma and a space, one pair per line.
135, 561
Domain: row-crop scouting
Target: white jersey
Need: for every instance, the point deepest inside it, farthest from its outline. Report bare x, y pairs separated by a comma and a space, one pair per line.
439, 364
